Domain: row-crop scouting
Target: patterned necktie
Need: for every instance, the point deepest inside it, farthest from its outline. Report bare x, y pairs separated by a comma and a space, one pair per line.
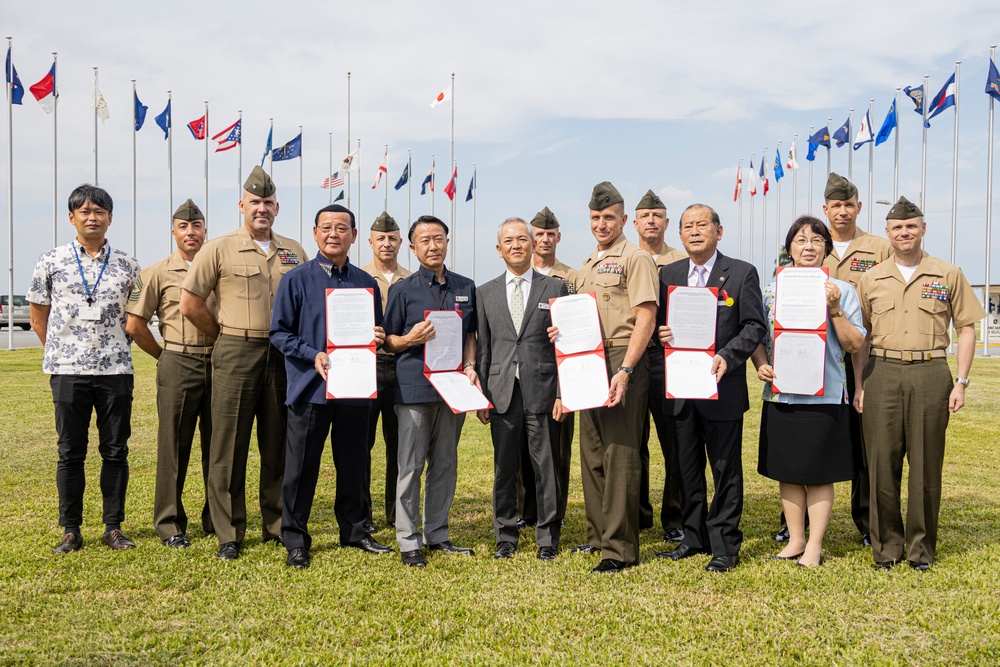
517, 313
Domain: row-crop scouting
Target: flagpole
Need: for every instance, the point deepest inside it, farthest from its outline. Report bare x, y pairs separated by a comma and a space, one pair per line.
871, 162
270, 153
763, 221
989, 221
170, 166
810, 197
207, 216
739, 209
895, 165
300, 184
358, 212
239, 171
385, 199
777, 216
752, 176
452, 206
10, 196
954, 167
850, 146
95, 125
350, 167
134, 96
829, 148
474, 184
409, 215
923, 150
795, 174
330, 171
432, 183
55, 158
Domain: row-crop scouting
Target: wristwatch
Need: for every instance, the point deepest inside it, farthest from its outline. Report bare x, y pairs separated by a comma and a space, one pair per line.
839, 313
962, 381
468, 364
628, 371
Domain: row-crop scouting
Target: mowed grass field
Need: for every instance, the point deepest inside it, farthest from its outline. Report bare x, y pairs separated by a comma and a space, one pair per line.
153, 605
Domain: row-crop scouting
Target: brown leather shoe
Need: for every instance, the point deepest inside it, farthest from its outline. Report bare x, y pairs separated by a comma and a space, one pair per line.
116, 540
70, 542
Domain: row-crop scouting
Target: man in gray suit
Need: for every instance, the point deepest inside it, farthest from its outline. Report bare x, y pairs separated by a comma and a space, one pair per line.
517, 368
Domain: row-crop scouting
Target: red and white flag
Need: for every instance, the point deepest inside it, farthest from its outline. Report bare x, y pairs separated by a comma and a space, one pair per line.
452, 185
45, 90
739, 182
382, 169
197, 128
442, 97
229, 137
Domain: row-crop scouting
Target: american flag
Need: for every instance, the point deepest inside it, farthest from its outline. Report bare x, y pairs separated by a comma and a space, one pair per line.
332, 181
230, 137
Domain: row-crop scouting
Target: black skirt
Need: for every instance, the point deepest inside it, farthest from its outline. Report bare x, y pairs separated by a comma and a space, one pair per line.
805, 444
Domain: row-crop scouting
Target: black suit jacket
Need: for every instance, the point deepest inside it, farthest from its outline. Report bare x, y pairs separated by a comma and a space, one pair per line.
501, 349
738, 330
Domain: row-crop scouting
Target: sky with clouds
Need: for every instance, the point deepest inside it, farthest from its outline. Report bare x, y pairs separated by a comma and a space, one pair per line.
550, 99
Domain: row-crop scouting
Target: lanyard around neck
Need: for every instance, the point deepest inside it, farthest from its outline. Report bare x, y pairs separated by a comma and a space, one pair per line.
86, 288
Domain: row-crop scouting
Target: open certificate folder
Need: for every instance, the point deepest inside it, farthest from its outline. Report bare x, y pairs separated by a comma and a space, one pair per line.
443, 363
691, 315
580, 360
350, 343
800, 316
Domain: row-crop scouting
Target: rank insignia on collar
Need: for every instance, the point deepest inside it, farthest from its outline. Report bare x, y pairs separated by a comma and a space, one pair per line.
935, 290
288, 257
861, 264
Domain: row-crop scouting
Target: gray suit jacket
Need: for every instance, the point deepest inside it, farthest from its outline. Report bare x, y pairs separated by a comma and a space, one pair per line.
501, 349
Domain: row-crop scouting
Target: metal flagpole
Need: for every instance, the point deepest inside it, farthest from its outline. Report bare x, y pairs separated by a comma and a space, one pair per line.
777, 213
871, 164
239, 171
451, 208
752, 176
300, 184
454, 232
850, 146
432, 183
829, 149
10, 197
385, 199
409, 215
207, 216
739, 209
923, 150
954, 168
474, 184
133, 170
763, 220
95, 126
358, 212
350, 167
270, 153
329, 172
170, 167
795, 173
895, 165
989, 223
55, 160
810, 197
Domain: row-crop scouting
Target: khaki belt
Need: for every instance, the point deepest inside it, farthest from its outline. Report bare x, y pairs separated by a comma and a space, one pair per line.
623, 342
243, 333
187, 349
909, 356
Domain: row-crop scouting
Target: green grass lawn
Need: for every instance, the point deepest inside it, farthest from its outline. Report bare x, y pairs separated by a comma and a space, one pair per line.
152, 605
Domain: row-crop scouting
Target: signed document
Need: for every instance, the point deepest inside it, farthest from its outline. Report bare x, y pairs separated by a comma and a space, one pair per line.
579, 325
351, 373
350, 317
799, 362
444, 351
455, 389
688, 374
583, 381
800, 298
691, 315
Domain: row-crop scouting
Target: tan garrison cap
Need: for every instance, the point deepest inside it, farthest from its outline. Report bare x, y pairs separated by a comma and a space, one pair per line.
188, 211
904, 209
545, 219
385, 223
650, 200
839, 188
259, 183
605, 195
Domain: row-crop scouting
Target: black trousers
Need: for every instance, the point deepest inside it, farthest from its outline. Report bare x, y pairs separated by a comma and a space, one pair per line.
539, 434
308, 428
715, 527
75, 398
670, 509
860, 485
526, 506
384, 406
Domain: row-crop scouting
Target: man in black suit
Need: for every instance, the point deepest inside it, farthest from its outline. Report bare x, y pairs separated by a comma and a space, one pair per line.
517, 367
714, 426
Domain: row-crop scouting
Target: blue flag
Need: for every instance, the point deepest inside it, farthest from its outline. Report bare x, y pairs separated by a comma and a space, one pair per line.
811, 155
779, 171
267, 149
404, 179
944, 99
289, 151
472, 187
140, 112
843, 135
163, 120
822, 137
993, 82
13, 81
888, 125
917, 95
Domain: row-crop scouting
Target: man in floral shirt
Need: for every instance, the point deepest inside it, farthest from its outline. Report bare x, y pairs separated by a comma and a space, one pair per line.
78, 295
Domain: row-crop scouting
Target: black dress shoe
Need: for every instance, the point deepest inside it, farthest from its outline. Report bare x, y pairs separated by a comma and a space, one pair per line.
276, 539
866, 539
884, 567
609, 566
298, 558
414, 558
369, 544
229, 551
116, 540
722, 563
505, 550
546, 553
583, 549
369, 527
781, 535
177, 542
683, 551
816, 565
70, 542
795, 557
450, 548
673, 535
919, 567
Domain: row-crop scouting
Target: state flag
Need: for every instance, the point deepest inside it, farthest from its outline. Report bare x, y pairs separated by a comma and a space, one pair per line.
864, 135
289, 151
229, 138
944, 99
13, 81
763, 178
792, 164
404, 178
452, 185
472, 188
428, 184
843, 133
350, 163
779, 172
101, 106
382, 169
163, 120
753, 180
993, 81
45, 90
739, 181
888, 125
197, 128
140, 112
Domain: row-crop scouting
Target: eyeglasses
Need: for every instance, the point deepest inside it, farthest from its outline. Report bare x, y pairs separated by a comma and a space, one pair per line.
815, 242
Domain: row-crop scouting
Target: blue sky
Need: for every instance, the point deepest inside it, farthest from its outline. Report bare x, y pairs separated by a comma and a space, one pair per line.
550, 99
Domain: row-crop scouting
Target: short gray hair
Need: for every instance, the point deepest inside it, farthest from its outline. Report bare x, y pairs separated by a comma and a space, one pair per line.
513, 221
